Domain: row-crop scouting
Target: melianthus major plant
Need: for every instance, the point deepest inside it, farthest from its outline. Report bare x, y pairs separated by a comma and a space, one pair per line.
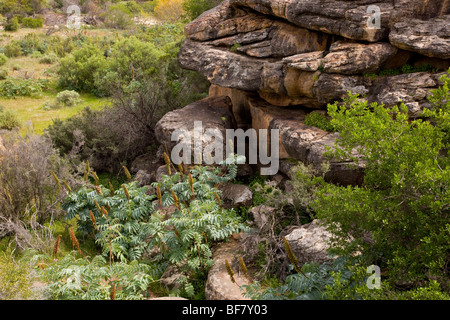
127, 223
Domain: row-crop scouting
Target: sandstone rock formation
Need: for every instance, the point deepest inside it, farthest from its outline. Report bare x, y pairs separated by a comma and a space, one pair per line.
277, 60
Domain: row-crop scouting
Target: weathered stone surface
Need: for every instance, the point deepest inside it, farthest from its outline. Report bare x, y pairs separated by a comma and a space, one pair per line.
310, 61
239, 99
344, 18
301, 142
350, 19
144, 178
332, 87
261, 215
236, 195
221, 67
213, 113
298, 52
162, 170
219, 285
310, 243
430, 38
147, 162
411, 89
357, 58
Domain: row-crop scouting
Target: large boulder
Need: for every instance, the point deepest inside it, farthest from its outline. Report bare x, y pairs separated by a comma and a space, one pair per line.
219, 285
208, 114
310, 243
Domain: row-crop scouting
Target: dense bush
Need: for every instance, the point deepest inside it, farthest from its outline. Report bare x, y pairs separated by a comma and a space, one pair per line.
29, 22
12, 87
8, 119
12, 24
68, 98
318, 120
28, 195
3, 74
80, 69
3, 59
130, 59
49, 58
22, 6
169, 10
12, 49
399, 218
116, 18
31, 43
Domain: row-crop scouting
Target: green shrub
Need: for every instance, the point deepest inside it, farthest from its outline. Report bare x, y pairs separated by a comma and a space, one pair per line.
12, 49
83, 278
8, 119
318, 120
29, 22
15, 279
68, 98
194, 8
130, 59
31, 43
12, 87
80, 69
3, 74
399, 217
49, 58
3, 59
117, 19
12, 24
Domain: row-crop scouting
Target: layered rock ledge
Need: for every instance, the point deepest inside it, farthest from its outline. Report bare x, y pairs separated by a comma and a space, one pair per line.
278, 60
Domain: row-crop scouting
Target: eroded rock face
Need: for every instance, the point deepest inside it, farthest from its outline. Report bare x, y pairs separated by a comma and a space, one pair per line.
357, 58
302, 142
411, 89
430, 38
276, 60
210, 114
310, 52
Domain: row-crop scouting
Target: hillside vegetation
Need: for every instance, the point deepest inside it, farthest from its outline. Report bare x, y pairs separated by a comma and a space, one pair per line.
81, 217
